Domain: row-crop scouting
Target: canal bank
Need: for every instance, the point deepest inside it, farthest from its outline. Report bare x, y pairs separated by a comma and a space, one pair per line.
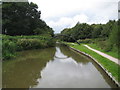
106, 70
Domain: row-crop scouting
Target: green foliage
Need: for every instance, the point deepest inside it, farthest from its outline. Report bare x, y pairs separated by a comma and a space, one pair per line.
26, 44
114, 36
38, 31
111, 41
96, 30
106, 36
107, 28
101, 43
11, 44
50, 42
79, 31
23, 18
8, 49
0, 49
84, 41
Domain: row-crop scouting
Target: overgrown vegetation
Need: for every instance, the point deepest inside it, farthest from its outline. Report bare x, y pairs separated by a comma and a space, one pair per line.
11, 44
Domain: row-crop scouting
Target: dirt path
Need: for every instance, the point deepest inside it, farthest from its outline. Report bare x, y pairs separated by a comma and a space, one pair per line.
104, 55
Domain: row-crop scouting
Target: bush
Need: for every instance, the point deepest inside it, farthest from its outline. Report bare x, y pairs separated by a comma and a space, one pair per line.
25, 44
8, 49
102, 43
50, 42
0, 49
11, 44
84, 41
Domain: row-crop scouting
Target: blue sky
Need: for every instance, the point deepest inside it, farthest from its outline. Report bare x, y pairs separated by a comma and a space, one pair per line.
60, 14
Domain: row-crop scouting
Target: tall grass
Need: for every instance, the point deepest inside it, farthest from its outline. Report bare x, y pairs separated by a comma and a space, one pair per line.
11, 44
8, 49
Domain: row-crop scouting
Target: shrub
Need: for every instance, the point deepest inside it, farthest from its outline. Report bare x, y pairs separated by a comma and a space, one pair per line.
25, 44
8, 49
84, 41
0, 49
11, 44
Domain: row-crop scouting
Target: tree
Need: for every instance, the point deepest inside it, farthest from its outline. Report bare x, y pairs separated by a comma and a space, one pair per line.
97, 29
107, 28
22, 18
79, 31
114, 40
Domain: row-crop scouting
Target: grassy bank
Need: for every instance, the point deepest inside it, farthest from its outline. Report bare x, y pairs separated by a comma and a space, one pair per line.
12, 44
111, 53
107, 64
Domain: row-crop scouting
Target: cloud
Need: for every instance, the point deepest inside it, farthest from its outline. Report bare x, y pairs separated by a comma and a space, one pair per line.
60, 14
66, 22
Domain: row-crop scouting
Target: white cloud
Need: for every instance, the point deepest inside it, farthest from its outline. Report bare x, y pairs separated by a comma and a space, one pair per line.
61, 14
66, 22
81, 18
69, 21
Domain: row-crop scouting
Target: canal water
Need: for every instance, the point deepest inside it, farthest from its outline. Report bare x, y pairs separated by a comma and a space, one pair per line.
57, 67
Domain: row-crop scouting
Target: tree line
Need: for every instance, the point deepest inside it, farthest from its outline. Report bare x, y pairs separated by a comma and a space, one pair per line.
23, 18
108, 32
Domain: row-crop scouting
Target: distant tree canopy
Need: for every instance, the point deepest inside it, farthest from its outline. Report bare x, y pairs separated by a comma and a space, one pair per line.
84, 31
23, 18
108, 32
79, 31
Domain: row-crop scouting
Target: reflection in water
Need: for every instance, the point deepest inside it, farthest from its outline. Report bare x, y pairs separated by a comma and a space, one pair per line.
68, 73
48, 68
24, 71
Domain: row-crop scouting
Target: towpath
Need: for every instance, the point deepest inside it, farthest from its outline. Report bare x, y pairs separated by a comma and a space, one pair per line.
117, 61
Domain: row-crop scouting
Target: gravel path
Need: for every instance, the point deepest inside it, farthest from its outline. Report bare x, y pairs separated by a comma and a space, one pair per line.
104, 55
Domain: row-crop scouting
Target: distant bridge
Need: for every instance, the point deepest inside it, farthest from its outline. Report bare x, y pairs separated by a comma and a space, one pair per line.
66, 36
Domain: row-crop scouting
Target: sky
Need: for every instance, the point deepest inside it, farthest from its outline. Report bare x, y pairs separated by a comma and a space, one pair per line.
60, 14
119, 10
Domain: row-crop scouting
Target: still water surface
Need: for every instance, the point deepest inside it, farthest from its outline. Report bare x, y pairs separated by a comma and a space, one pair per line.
57, 67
